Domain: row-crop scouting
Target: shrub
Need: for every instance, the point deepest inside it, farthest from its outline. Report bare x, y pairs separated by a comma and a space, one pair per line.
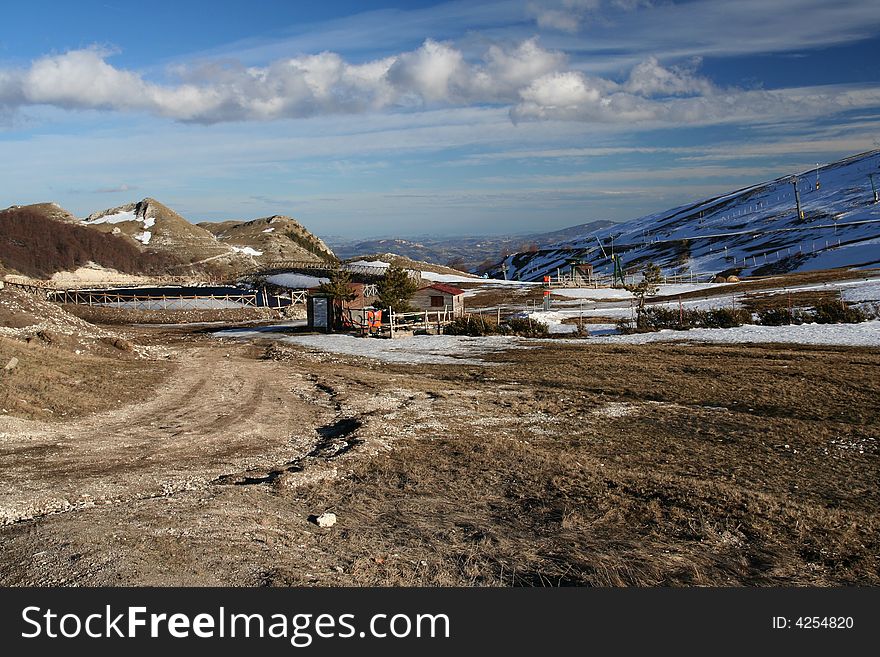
778, 317
625, 326
724, 318
311, 245
472, 325
478, 325
658, 317
525, 327
837, 312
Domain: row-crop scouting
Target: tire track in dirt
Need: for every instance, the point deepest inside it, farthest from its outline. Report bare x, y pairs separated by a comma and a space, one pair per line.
217, 412
360, 424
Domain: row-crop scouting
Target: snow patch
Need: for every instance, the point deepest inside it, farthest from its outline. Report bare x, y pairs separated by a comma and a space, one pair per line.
117, 218
296, 281
269, 230
144, 238
416, 350
448, 278
869, 291
247, 250
371, 263
866, 334
593, 293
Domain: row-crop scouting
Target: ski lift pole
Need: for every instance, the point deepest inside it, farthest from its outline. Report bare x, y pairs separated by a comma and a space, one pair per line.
617, 271
797, 198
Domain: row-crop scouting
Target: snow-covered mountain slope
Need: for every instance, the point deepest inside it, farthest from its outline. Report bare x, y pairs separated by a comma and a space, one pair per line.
755, 230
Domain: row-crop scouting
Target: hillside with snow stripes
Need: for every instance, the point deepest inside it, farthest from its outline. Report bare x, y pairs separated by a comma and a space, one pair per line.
754, 230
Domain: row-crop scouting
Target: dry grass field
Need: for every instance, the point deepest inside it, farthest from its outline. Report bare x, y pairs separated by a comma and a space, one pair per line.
557, 465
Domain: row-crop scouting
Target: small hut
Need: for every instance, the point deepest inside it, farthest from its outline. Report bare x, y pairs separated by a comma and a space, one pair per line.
439, 296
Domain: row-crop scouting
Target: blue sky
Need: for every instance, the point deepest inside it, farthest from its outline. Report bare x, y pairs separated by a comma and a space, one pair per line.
420, 118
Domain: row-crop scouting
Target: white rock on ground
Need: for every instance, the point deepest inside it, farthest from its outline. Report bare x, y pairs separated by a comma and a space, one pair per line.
326, 519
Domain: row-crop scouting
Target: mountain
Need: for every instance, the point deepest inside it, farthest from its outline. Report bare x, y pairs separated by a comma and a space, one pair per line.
463, 253
751, 231
146, 237
150, 223
39, 240
274, 238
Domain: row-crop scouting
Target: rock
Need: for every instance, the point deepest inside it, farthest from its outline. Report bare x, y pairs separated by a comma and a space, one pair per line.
118, 343
733, 279
13, 362
326, 520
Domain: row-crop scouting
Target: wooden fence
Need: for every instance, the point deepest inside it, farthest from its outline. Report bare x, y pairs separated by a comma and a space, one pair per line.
133, 301
426, 319
165, 302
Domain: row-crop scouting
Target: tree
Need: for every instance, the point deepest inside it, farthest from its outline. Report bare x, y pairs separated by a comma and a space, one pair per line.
340, 290
647, 287
395, 289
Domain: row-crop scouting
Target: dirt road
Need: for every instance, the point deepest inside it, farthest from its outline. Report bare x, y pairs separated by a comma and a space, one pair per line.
219, 412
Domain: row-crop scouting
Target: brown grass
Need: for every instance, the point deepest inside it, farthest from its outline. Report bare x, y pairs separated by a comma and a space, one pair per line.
804, 299
678, 465
121, 316
54, 382
713, 466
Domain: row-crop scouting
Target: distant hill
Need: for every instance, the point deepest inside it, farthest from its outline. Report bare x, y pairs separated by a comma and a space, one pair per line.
149, 223
39, 240
472, 254
751, 231
147, 237
274, 238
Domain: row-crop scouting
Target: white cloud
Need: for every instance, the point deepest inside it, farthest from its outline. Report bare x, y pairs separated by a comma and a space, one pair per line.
650, 98
649, 78
511, 70
533, 83
566, 16
82, 78
434, 72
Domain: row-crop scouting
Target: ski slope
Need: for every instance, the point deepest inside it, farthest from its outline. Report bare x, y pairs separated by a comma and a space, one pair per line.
751, 231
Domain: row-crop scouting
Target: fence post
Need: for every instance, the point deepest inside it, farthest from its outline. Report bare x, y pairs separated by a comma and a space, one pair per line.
391, 322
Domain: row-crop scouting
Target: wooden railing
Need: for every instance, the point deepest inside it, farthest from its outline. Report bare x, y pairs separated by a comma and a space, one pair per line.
131, 300
426, 319
165, 302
